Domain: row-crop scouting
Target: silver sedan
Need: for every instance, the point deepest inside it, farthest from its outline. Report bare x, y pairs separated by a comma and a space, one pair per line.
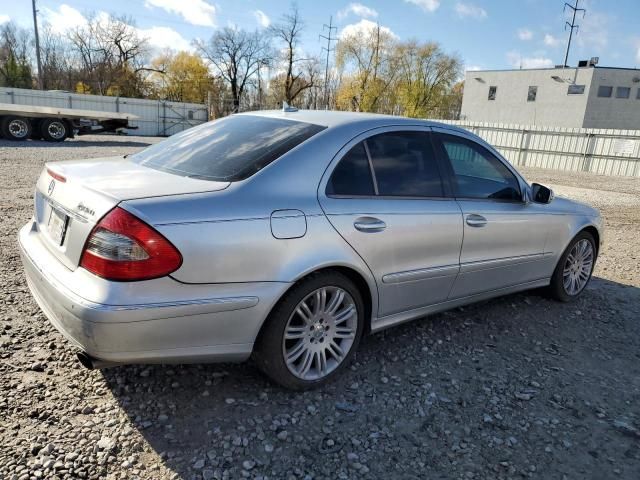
286, 236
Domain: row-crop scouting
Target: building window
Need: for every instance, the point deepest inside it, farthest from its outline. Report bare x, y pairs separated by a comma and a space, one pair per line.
623, 92
638, 94
574, 89
605, 91
532, 93
492, 93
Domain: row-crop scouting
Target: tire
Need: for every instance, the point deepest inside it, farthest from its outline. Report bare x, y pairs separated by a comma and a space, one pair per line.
54, 130
583, 246
313, 347
16, 128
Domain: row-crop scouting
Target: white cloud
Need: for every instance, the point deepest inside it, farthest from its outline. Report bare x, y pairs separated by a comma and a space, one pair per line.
469, 10
195, 12
516, 60
594, 33
262, 18
426, 5
525, 34
357, 9
364, 27
63, 19
165, 37
551, 41
4, 19
473, 68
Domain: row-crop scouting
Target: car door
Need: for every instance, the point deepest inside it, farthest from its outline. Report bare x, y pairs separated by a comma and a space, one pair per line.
384, 194
504, 234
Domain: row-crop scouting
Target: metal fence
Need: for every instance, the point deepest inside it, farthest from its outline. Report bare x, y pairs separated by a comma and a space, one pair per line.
156, 117
606, 152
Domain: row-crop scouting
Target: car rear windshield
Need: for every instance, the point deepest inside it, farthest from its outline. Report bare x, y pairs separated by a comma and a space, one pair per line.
230, 149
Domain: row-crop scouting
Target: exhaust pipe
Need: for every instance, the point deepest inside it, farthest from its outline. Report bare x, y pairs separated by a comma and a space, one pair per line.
91, 363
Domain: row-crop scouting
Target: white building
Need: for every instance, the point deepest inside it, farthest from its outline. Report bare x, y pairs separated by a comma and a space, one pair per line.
588, 97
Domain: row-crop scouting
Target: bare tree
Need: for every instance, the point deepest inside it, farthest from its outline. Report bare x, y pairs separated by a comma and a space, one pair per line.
15, 60
237, 55
289, 31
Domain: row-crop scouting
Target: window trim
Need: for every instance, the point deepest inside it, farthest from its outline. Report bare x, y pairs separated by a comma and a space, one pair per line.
447, 190
522, 185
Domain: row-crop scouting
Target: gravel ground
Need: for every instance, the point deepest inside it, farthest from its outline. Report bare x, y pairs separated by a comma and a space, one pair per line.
517, 387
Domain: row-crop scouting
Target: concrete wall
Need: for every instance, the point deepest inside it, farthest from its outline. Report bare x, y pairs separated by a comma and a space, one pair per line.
614, 112
553, 106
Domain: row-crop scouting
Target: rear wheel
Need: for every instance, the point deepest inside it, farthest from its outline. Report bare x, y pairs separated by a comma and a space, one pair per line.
54, 130
573, 272
313, 332
15, 128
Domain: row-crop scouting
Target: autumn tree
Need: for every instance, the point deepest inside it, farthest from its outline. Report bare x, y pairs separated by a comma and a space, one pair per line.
425, 77
236, 55
367, 57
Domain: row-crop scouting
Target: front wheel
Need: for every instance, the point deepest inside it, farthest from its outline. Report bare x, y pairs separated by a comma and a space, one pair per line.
573, 272
313, 331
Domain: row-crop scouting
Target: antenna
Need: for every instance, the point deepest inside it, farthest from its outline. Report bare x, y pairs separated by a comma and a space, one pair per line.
572, 26
35, 27
328, 48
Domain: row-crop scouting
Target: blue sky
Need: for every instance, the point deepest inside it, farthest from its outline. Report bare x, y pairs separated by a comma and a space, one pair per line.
484, 33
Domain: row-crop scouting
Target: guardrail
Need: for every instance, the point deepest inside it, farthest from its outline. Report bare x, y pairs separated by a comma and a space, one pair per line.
605, 152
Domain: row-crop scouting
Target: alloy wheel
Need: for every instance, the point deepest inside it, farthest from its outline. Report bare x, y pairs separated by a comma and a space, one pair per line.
320, 333
577, 268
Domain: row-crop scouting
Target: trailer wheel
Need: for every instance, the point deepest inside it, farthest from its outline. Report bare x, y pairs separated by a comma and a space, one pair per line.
16, 128
54, 129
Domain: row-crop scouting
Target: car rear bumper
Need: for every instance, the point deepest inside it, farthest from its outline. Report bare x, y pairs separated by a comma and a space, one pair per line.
154, 321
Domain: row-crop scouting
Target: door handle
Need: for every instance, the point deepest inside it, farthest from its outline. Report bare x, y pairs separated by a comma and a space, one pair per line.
475, 220
369, 224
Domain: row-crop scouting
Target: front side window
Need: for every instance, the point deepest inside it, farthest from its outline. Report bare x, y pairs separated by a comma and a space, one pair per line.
230, 149
623, 92
352, 176
492, 93
477, 173
605, 91
404, 165
532, 93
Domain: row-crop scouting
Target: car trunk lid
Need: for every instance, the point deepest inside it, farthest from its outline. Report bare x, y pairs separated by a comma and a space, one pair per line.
71, 197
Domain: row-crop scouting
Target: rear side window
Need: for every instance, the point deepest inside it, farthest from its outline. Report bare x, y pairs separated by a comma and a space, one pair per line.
230, 149
352, 176
477, 173
404, 165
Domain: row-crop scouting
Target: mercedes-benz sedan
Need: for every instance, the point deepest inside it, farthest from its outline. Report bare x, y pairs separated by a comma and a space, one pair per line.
286, 236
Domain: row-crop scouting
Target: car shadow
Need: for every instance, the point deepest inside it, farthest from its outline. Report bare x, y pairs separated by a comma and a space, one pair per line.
407, 386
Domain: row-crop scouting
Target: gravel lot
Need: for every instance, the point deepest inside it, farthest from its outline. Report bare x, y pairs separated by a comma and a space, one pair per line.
518, 387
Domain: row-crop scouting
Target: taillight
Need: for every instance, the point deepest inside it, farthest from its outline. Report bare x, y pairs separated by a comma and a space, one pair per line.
122, 247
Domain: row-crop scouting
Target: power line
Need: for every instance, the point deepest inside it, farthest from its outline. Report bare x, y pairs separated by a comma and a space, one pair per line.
572, 26
328, 48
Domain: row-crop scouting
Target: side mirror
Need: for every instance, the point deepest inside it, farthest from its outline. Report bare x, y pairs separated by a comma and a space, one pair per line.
541, 194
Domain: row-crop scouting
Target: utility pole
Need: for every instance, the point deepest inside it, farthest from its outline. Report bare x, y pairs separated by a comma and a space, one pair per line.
571, 26
35, 28
328, 48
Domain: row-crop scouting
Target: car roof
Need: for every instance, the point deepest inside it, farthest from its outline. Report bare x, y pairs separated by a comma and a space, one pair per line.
332, 118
